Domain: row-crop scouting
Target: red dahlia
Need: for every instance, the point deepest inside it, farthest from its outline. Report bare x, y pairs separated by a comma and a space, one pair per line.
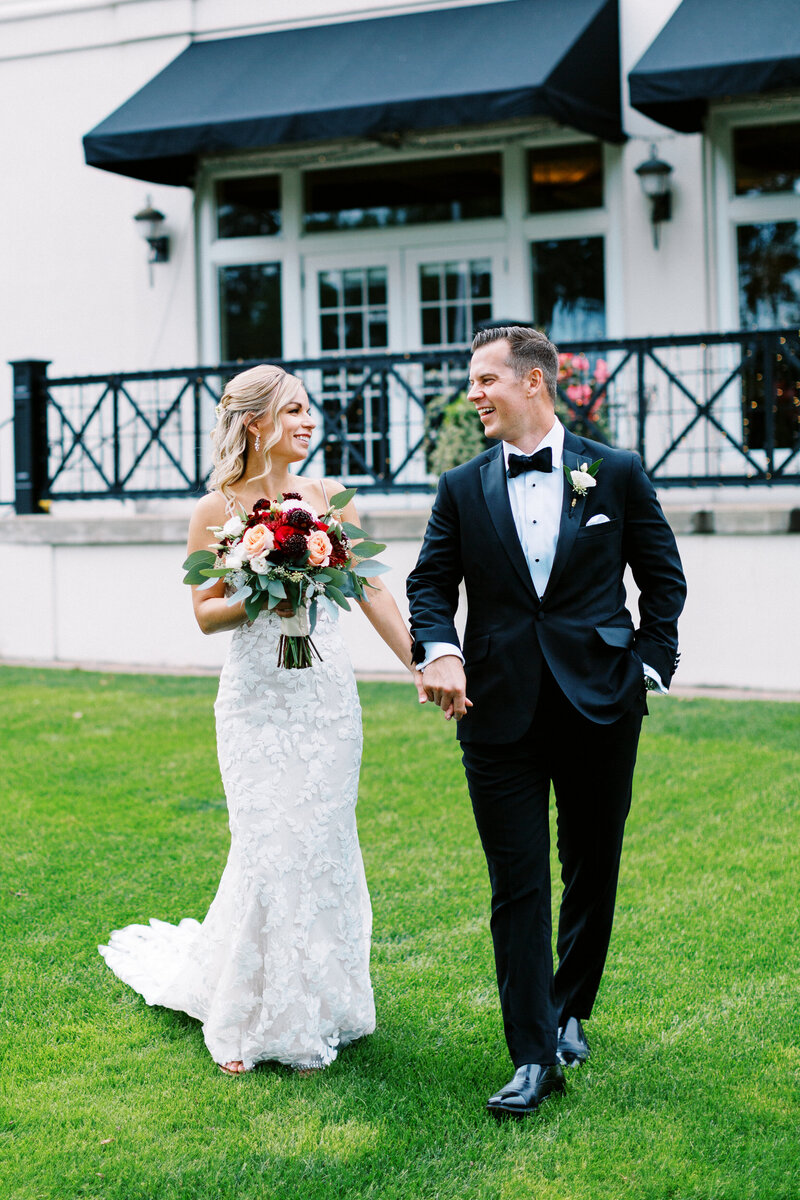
300, 519
295, 546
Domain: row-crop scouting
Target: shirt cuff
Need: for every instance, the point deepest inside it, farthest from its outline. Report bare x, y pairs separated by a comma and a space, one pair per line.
434, 650
653, 680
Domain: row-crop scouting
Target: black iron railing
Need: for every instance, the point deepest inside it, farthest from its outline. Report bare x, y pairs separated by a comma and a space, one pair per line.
716, 408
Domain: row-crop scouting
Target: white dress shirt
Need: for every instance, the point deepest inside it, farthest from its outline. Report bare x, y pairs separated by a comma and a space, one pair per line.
536, 499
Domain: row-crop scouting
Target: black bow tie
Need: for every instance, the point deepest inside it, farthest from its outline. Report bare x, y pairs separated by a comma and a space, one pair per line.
542, 460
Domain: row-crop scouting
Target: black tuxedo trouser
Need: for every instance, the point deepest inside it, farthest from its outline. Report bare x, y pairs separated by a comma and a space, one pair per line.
591, 769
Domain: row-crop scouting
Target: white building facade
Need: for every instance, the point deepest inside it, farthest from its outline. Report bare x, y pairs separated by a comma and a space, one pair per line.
395, 240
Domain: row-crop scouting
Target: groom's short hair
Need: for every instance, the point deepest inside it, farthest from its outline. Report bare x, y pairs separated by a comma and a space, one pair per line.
529, 349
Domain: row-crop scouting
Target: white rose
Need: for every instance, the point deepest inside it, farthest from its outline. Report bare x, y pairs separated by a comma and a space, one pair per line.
288, 505
235, 557
582, 479
259, 564
233, 527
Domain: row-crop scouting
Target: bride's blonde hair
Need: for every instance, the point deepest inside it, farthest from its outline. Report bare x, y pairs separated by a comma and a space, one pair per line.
263, 390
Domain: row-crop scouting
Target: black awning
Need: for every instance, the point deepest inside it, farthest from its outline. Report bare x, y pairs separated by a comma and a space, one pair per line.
711, 49
448, 68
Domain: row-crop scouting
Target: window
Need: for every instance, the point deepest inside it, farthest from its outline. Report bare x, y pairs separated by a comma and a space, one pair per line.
353, 315
248, 207
569, 288
250, 312
764, 207
767, 159
404, 193
769, 298
565, 178
353, 309
454, 298
769, 274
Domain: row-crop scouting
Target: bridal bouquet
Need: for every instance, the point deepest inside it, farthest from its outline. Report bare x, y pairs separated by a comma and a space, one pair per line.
284, 550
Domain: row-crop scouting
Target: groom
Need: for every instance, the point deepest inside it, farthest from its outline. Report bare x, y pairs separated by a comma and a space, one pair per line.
550, 685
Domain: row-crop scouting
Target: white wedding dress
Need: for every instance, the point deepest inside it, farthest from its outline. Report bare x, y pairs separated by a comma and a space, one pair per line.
279, 968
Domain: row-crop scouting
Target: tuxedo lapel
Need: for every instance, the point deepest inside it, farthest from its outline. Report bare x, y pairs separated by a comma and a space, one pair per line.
495, 492
570, 517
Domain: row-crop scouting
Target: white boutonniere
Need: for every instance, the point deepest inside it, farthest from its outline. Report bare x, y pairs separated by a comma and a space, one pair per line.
581, 479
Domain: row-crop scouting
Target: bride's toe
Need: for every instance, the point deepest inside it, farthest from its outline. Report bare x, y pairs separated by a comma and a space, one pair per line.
235, 1067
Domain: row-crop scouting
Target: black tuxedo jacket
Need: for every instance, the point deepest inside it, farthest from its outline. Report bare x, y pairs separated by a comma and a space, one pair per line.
580, 627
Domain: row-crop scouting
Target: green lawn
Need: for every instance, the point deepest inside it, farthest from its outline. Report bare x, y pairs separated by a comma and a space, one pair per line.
113, 812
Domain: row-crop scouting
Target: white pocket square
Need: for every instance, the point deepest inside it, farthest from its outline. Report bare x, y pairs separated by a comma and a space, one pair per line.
597, 519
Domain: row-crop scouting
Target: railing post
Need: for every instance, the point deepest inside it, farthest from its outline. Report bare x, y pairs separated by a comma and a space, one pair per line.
770, 349
641, 404
30, 434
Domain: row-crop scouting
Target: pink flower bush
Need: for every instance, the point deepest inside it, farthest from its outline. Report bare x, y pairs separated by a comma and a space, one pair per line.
580, 382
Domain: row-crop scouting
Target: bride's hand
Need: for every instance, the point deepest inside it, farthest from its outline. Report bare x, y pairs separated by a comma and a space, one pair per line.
420, 686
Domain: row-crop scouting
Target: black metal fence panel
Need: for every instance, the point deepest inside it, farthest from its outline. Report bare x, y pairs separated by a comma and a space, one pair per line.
702, 409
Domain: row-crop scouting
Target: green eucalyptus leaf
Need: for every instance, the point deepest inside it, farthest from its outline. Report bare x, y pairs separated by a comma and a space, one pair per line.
276, 587
240, 594
253, 605
353, 531
370, 567
337, 596
312, 617
368, 549
328, 607
335, 576
342, 499
200, 558
206, 584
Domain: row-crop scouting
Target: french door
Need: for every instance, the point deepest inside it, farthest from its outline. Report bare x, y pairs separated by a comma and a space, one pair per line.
396, 300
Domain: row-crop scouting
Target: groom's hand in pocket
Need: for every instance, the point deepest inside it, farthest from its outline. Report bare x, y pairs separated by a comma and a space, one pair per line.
445, 684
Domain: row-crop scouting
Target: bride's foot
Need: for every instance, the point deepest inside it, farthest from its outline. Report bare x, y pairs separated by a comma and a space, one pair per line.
235, 1067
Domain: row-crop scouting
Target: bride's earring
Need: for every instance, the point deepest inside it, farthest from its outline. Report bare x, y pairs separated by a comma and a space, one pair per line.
258, 442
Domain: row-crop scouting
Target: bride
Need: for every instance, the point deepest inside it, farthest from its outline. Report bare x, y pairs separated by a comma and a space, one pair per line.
279, 968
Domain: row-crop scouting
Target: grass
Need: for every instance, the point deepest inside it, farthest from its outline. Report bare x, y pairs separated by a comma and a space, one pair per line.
113, 812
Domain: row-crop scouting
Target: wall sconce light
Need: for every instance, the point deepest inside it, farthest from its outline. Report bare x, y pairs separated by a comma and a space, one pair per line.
654, 177
151, 221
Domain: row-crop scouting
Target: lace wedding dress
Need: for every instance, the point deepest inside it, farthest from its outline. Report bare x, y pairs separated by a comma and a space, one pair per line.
279, 968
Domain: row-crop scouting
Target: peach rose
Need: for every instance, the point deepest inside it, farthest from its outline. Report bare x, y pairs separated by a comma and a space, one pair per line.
257, 540
319, 548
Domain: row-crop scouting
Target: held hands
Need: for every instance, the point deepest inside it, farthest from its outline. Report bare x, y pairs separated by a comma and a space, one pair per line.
445, 683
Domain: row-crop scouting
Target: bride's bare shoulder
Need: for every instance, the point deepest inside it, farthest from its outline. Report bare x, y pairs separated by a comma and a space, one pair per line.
333, 487
211, 509
213, 505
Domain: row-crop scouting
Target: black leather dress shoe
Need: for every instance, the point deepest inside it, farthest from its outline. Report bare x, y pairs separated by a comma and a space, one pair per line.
573, 1048
531, 1085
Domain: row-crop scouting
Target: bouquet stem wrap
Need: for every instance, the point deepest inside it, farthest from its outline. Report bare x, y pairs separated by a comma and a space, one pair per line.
295, 647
